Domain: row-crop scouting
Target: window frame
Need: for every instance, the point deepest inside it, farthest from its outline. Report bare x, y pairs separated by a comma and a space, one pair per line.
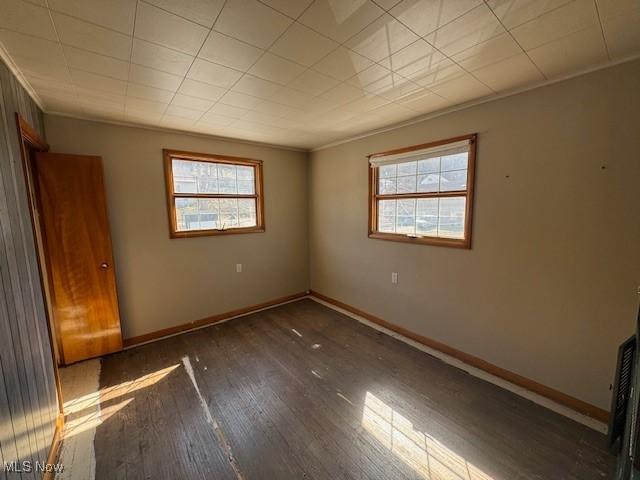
374, 197
258, 195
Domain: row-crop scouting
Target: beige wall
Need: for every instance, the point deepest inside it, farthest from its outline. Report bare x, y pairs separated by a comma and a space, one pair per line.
549, 288
163, 282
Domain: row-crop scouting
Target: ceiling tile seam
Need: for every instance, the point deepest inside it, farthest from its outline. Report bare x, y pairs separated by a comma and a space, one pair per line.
133, 34
604, 38
164, 113
64, 55
295, 19
516, 40
264, 51
170, 13
386, 9
423, 38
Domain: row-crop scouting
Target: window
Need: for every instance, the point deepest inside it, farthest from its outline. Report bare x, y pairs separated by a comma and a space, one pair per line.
423, 194
213, 194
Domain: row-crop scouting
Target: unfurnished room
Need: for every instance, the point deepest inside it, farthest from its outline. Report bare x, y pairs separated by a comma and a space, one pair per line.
320, 239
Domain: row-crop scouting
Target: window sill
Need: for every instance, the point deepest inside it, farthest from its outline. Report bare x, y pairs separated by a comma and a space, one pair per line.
211, 233
437, 241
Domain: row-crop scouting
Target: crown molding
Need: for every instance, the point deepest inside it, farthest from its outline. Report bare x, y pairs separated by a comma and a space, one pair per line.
13, 68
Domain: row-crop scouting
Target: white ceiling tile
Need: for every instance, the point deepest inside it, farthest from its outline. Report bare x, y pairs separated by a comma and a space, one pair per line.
256, 87
227, 51
342, 63
228, 110
26, 18
413, 58
194, 103
154, 78
366, 103
95, 63
161, 58
620, 23
213, 74
461, 89
393, 87
141, 105
382, 38
238, 99
292, 8
438, 73
343, 93
178, 122
45, 71
25, 46
425, 16
276, 69
493, 50
573, 17
313, 83
475, 26
203, 12
158, 26
114, 14
292, 98
303, 45
149, 93
176, 111
92, 37
509, 73
570, 53
211, 118
340, 20
516, 12
142, 117
201, 90
98, 82
424, 101
239, 19
369, 75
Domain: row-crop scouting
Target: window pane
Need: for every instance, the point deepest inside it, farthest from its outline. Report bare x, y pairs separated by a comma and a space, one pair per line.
427, 216
247, 212
407, 168
196, 214
387, 186
455, 162
190, 176
429, 165
451, 217
453, 180
406, 216
387, 171
429, 182
387, 216
229, 216
406, 184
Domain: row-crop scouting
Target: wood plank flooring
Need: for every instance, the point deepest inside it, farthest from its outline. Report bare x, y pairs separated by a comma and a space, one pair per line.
302, 391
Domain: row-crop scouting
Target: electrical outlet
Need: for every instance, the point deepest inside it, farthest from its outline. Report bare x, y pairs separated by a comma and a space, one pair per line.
394, 277
238, 267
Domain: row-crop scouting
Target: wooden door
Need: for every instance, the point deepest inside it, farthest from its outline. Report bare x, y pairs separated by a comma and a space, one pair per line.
77, 245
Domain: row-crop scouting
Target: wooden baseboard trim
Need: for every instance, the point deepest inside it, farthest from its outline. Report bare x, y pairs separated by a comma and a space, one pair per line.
55, 446
531, 385
205, 322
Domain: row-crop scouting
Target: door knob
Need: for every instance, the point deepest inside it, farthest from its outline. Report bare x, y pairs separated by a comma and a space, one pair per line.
104, 265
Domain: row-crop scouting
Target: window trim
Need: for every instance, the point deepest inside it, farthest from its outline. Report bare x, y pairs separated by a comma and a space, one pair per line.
425, 240
169, 155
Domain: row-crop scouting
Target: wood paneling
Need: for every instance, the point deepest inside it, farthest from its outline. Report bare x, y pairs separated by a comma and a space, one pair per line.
28, 399
79, 255
555, 395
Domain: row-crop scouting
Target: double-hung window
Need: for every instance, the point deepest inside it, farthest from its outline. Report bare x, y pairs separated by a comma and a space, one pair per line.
423, 194
213, 194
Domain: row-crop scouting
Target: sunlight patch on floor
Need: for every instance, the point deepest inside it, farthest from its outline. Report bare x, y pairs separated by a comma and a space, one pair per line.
425, 455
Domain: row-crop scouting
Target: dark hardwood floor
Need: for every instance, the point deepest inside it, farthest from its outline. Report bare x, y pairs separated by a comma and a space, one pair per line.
301, 391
